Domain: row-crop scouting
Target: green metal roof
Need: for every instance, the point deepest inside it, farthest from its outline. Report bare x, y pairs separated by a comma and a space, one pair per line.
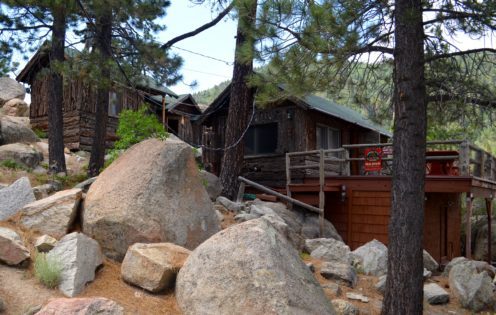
328, 107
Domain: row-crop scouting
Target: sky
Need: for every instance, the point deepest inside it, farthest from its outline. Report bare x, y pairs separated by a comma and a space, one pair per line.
217, 42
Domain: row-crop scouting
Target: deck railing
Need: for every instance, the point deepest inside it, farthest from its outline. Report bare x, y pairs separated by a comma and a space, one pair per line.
447, 157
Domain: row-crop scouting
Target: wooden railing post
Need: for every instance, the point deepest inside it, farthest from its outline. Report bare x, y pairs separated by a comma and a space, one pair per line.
468, 226
345, 165
321, 192
464, 158
479, 165
288, 175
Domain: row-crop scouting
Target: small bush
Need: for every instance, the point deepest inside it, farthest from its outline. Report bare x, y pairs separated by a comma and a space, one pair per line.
40, 133
13, 165
47, 270
134, 127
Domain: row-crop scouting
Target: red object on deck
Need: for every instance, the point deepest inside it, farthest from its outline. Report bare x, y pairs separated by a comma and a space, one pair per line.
443, 166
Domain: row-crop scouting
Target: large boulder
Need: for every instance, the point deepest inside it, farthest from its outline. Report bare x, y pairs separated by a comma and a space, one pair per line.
474, 289
153, 267
480, 246
21, 153
328, 249
78, 256
371, 258
14, 197
9, 89
81, 306
212, 184
53, 215
338, 271
15, 129
151, 193
249, 268
12, 250
15, 107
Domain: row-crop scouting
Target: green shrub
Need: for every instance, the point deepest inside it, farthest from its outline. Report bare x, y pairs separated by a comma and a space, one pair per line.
40, 133
47, 270
13, 165
134, 127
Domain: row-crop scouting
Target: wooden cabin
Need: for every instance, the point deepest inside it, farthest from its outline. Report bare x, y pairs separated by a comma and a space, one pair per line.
178, 115
293, 124
79, 101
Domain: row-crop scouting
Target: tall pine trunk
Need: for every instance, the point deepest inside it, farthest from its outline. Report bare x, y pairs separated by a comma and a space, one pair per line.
56, 156
404, 285
241, 99
104, 51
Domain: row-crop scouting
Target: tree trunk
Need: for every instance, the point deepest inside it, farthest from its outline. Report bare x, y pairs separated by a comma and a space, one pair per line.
404, 285
240, 102
103, 48
56, 156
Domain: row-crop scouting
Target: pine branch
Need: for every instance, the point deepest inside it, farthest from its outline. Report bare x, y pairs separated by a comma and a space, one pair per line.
459, 53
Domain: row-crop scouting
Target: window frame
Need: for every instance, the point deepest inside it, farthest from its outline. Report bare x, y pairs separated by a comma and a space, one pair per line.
327, 128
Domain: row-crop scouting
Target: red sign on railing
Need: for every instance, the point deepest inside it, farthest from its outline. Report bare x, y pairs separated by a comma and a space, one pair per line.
373, 159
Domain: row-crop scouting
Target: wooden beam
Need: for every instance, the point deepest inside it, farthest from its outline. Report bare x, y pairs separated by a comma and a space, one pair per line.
489, 208
468, 226
464, 159
321, 192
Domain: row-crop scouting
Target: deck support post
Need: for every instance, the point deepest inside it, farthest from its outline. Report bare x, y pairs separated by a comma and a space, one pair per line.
468, 225
288, 179
489, 208
464, 158
241, 192
321, 192
163, 113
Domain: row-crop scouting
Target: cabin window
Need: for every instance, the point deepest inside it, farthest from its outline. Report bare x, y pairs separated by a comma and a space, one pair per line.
113, 108
328, 138
261, 139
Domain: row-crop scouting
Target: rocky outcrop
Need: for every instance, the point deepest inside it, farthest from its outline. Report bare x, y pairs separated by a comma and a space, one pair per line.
52, 215
151, 193
14, 130
81, 306
78, 256
21, 153
474, 289
45, 243
212, 184
249, 268
14, 197
15, 107
10, 89
434, 294
371, 258
153, 267
12, 250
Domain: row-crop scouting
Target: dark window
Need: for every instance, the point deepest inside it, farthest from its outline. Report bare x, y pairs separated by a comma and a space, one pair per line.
328, 138
173, 125
261, 139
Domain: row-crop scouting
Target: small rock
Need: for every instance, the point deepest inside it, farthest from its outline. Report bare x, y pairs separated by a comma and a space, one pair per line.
328, 249
12, 250
381, 284
52, 215
45, 243
427, 274
338, 271
429, 262
232, 206
435, 294
22, 154
85, 185
45, 190
153, 266
39, 170
371, 258
333, 288
343, 307
219, 214
260, 210
14, 197
81, 306
358, 297
310, 266
79, 256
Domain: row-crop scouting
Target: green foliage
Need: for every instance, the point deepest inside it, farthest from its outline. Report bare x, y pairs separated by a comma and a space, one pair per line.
47, 269
13, 165
304, 255
40, 133
136, 126
207, 96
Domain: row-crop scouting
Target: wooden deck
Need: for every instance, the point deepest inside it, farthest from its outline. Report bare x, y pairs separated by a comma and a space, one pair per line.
358, 202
